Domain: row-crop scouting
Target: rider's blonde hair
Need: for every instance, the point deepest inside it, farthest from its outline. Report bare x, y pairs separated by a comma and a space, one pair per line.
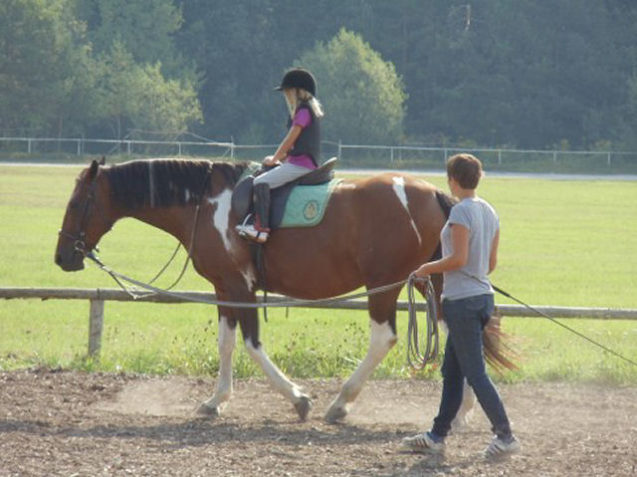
296, 95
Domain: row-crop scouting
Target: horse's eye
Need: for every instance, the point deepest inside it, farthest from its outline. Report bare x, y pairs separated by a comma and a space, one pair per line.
74, 204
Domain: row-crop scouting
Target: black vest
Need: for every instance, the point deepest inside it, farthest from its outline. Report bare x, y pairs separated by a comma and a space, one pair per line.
309, 142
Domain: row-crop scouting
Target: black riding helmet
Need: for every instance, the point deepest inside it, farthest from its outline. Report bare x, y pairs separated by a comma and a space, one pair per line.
298, 78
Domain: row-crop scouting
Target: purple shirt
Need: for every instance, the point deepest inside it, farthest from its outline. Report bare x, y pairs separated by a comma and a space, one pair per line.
302, 118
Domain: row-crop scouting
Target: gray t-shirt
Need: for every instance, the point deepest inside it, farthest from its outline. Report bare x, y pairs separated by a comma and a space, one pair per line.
482, 222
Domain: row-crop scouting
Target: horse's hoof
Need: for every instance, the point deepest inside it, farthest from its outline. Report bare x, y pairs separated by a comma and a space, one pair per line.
335, 414
303, 407
208, 411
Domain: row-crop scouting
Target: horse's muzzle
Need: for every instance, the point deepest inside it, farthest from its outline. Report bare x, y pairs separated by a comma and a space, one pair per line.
72, 262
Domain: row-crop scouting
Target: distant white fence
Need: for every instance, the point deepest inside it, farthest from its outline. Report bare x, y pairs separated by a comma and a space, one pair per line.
98, 296
348, 153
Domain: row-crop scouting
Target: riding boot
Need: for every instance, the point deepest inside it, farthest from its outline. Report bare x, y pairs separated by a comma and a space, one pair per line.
262, 207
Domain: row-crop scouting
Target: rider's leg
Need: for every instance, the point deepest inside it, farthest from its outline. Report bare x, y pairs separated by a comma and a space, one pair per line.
263, 183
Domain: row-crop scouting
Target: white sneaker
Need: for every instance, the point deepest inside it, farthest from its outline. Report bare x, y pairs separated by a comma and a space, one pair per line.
425, 442
502, 447
249, 232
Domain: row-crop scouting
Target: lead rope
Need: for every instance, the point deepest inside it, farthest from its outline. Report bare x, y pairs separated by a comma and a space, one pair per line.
415, 358
121, 278
544, 315
581, 335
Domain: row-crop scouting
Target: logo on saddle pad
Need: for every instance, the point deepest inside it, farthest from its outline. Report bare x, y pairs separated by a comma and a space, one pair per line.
311, 210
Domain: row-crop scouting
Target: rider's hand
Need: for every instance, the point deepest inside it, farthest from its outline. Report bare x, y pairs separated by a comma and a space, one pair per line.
269, 161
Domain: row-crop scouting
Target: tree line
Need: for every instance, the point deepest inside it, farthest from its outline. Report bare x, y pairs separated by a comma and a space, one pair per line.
521, 74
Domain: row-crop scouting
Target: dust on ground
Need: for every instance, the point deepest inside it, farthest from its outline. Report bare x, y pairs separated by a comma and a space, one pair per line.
95, 424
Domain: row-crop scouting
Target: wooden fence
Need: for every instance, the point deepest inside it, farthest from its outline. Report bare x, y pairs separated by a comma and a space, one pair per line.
97, 297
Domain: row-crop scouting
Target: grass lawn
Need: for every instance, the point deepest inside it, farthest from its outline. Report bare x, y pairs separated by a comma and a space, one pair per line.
566, 243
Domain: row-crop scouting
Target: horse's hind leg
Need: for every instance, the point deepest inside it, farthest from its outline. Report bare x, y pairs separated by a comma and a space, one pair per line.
382, 339
461, 421
250, 330
223, 389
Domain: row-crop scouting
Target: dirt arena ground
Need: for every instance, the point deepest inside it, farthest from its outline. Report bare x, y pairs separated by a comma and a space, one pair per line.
76, 424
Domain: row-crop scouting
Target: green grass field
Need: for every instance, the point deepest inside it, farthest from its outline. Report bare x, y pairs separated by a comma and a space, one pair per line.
566, 243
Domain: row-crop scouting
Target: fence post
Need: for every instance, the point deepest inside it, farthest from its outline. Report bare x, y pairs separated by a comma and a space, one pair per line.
95, 326
391, 154
500, 156
609, 159
29, 146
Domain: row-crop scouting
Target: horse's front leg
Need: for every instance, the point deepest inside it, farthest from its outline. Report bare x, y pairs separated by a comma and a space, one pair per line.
223, 389
250, 328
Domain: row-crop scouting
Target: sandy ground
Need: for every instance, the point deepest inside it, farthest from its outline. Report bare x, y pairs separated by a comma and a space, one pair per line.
78, 424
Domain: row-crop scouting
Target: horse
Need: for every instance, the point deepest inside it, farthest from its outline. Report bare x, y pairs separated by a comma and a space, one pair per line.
374, 232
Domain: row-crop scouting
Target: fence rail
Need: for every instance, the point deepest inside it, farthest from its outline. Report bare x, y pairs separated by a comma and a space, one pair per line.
98, 296
350, 153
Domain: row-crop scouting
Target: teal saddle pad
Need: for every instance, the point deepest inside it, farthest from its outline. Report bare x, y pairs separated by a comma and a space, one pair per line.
307, 203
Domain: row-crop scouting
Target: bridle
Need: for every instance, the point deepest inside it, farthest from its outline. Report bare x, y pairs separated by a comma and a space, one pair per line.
79, 239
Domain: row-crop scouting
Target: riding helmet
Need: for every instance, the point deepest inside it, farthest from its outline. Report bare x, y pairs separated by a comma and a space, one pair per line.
298, 78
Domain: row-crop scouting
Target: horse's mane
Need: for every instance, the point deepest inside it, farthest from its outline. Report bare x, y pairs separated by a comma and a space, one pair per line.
169, 182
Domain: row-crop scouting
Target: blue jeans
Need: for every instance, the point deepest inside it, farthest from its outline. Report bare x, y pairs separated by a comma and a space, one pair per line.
466, 318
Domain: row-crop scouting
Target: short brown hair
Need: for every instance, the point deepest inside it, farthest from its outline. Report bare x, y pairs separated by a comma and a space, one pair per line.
465, 169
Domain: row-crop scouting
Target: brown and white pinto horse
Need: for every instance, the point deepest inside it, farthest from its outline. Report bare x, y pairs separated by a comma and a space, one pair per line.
375, 231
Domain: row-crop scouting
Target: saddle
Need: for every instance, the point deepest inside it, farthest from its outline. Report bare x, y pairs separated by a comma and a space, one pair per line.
310, 188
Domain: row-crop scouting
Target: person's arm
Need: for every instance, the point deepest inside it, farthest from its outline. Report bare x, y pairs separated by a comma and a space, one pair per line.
493, 258
457, 259
287, 144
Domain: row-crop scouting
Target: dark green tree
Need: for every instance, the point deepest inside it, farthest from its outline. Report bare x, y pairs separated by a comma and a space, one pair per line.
362, 94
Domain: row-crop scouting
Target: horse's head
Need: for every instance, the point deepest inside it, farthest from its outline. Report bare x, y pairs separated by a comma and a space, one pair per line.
86, 219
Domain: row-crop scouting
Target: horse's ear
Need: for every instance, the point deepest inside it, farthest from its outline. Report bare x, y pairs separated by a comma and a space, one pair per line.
93, 170
102, 161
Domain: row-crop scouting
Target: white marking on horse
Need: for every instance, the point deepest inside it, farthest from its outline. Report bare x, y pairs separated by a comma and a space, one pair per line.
226, 343
381, 340
221, 222
277, 379
399, 190
346, 185
250, 277
221, 216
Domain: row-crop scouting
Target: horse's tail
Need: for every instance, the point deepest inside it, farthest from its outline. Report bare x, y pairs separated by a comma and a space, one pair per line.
498, 351
446, 202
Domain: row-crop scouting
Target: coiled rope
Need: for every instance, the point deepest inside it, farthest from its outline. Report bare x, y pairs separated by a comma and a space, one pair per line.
428, 342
